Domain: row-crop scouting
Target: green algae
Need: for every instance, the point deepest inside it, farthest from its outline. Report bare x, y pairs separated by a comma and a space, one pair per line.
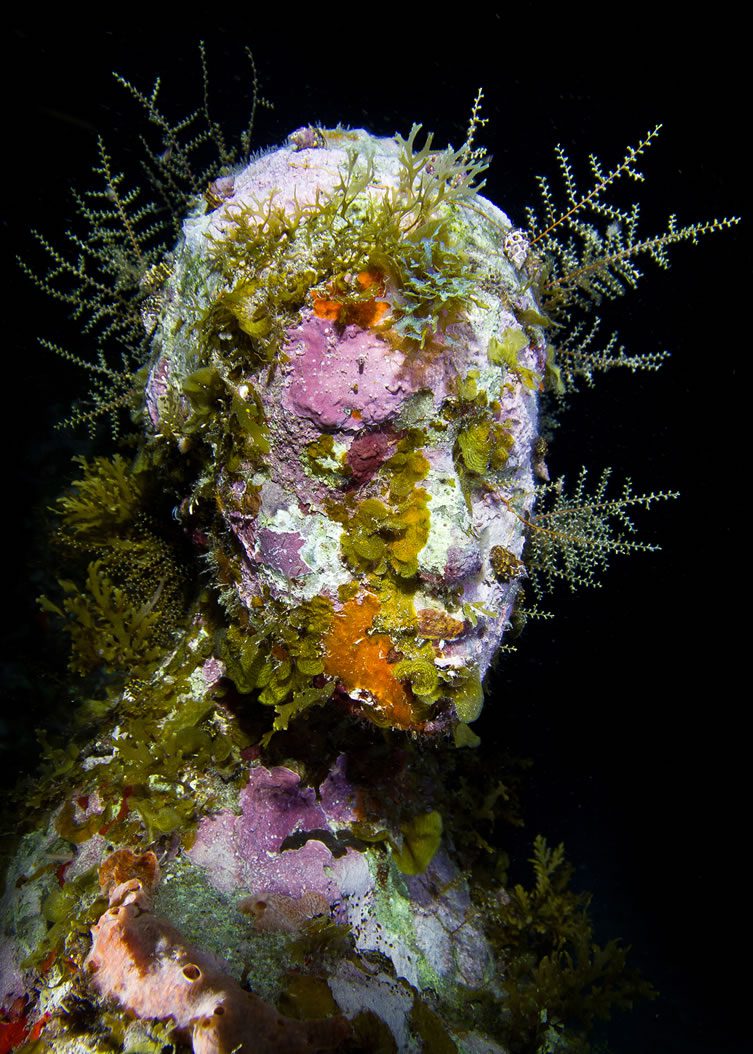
279, 654
422, 836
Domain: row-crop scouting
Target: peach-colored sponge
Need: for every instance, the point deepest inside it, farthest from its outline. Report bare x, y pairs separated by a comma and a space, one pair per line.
143, 962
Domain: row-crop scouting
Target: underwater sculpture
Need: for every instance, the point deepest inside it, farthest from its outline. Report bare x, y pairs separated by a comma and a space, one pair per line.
367, 430
339, 410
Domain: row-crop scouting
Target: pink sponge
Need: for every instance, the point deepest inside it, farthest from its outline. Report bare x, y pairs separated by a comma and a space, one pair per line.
143, 962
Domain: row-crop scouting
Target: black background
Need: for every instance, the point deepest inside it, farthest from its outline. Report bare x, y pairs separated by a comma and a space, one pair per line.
630, 702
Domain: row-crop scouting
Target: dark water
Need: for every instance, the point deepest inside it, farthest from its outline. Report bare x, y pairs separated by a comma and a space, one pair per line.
628, 703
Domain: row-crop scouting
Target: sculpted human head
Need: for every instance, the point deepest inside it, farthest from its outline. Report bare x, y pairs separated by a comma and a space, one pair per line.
345, 359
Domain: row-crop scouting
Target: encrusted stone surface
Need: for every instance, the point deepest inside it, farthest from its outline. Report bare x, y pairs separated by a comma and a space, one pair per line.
363, 386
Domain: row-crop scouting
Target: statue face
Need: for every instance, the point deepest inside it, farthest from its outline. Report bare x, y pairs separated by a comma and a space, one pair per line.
364, 414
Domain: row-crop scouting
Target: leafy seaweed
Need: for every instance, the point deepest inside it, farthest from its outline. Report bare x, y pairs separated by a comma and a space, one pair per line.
122, 609
280, 657
558, 983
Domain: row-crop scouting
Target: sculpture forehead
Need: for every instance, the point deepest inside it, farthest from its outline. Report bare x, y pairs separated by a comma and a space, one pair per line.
350, 381
295, 178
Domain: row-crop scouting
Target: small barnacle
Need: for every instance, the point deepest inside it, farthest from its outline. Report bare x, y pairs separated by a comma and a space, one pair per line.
505, 565
516, 247
307, 138
219, 190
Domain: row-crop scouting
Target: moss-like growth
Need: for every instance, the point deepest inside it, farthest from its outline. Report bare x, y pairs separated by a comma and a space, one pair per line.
106, 628
506, 352
483, 442
322, 459
409, 276
280, 655
227, 415
467, 694
307, 997
168, 733
103, 500
380, 537
122, 610
558, 983
69, 911
436, 287
422, 675
430, 1028
482, 445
